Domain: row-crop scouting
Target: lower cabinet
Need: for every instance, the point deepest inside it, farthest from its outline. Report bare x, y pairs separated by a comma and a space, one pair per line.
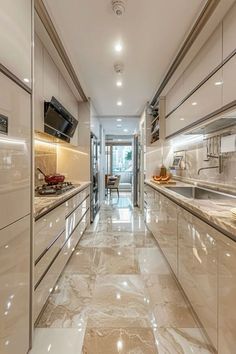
204, 261
197, 268
62, 239
227, 296
15, 287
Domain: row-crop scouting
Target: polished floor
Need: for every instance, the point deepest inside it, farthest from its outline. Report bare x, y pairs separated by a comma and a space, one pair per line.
117, 294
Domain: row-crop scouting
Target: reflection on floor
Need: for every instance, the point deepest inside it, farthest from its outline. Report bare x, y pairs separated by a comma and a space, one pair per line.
117, 294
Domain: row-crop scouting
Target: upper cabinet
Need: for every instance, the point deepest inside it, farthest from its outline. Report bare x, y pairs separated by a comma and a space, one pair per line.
204, 101
229, 32
207, 59
50, 82
15, 38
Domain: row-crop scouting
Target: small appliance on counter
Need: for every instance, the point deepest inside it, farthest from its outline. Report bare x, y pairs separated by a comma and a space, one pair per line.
55, 189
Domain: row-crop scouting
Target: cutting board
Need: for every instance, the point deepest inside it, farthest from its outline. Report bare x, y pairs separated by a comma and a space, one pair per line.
164, 182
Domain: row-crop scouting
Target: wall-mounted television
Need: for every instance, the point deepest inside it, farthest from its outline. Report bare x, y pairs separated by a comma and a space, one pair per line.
58, 121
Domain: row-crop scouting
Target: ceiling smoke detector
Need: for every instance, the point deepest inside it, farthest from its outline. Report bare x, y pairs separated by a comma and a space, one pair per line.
118, 6
119, 68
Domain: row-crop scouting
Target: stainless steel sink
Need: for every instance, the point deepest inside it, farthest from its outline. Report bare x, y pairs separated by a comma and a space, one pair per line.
201, 193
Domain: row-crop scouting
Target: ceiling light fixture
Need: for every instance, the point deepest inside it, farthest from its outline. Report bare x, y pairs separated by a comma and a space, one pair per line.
26, 80
119, 103
119, 120
119, 83
125, 130
118, 47
218, 83
181, 118
194, 103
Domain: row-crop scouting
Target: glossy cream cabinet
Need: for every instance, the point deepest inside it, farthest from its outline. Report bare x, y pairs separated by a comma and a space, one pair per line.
229, 31
204, 262
56, 236
227, 295
197, 268
161, 218
15, 38
15, 287
50, 82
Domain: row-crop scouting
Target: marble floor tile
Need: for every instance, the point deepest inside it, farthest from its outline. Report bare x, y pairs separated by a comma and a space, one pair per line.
118, 261
84, 261
173, 315
162, 288
120, 301
65, 314
181, 341
58, 341
68, 305
120, 341
151, 261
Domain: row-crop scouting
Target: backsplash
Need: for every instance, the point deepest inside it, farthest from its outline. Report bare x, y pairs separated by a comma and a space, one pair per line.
45, 159
195, 154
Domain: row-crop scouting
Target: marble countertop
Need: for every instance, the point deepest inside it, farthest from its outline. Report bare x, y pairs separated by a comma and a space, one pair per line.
42, 205
216, 212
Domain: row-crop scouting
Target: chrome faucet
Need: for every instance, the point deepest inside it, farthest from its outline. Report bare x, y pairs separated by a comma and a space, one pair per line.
220, 166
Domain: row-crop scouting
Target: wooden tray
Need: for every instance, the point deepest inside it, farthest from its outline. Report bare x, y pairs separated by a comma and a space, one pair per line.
164, 182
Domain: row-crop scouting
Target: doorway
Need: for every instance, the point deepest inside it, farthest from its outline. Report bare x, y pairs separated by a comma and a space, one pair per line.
119, 161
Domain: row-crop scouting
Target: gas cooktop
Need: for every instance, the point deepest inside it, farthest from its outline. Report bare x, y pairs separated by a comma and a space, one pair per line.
53, 189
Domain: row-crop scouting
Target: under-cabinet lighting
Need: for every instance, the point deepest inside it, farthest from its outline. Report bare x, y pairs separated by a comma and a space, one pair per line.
12, 141
218, 83
186, 140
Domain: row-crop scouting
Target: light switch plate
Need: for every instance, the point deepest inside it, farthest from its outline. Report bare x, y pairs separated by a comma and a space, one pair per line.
228, 143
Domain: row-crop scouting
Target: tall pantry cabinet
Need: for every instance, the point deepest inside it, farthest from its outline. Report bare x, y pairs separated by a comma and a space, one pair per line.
15, 175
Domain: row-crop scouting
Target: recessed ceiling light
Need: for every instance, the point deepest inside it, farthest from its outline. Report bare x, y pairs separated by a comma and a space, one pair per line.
118, 47
118, 125
119, 83
119, 103
194, 103
119, 120
125, 130
26, 80
181, 118
218, 83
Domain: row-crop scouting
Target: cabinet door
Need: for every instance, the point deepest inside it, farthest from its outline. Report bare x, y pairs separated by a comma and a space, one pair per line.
38, 85
207, 59
15, 287
204, 101
229, 81
229, 30
166, 230
197, 268
175, 95
227, 291
15, 38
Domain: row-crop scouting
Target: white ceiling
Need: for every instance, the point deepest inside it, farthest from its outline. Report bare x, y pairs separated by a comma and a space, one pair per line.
131, 124
151, 32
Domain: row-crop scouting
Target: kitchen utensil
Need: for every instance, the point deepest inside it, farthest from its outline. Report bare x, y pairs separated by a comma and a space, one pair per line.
52, 179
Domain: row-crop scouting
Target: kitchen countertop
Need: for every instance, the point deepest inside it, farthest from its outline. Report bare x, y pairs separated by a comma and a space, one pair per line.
215, 212
44, 204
